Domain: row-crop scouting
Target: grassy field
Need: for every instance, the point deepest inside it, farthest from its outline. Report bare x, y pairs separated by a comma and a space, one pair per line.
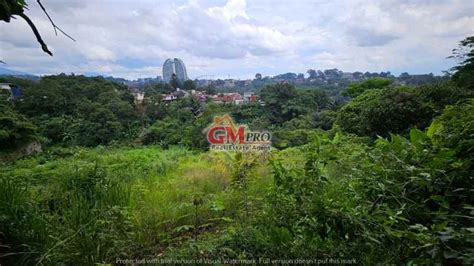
339, 197
96, 205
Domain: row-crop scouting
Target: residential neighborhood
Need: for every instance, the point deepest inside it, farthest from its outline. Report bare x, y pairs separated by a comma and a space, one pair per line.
221, 98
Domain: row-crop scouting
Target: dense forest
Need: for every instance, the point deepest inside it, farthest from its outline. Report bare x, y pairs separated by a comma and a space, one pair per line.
382, 178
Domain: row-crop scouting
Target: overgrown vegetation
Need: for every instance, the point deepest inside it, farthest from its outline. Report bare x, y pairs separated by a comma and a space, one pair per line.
383, 179
379, 112
75, 110
15, 129
85, 206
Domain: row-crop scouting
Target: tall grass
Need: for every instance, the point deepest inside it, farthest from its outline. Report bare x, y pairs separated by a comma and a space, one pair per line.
86, 206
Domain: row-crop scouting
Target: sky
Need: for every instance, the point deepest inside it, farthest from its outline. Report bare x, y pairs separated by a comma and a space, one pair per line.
238, 38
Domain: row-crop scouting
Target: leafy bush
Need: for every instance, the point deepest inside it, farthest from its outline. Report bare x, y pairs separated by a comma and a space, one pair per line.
401, 200
284, 138
454, 128
15, 129
379, 112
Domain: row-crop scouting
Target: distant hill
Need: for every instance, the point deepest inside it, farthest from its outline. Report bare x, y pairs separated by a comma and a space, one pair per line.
9, 72
92, 74
6, 71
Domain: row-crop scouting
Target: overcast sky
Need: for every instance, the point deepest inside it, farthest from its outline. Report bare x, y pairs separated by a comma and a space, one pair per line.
239, 38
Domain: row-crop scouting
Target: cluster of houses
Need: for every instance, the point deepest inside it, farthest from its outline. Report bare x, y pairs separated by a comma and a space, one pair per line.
221, 98
175, 95
235, 98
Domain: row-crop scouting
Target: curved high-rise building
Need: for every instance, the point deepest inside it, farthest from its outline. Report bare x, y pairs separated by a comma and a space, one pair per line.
174, 66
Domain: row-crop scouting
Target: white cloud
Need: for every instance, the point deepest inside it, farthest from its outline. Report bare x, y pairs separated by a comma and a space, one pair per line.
233, 9
237, 37
96, 52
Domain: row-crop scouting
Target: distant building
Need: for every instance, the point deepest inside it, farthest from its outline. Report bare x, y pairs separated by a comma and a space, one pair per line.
201, 96
249, 97
9, 91
232, 97
138, 96
148, 80
169, 97
175, 95
174, 66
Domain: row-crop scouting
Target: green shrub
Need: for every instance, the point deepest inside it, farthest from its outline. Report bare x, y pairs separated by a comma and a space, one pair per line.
398, 201
15, 129
379, 112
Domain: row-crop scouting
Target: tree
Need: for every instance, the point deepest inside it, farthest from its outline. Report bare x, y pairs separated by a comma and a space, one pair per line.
210, 89
79, 110
169, 130
174, 82
324, 119
280, 101
395, 110
464, 75
189, 85
441, 94
258, 76
313, 99
312, 74
357, 88
15, 129
286, 76
378, 112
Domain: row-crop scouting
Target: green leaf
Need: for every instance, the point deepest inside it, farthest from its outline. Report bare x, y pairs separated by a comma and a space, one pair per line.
417, 136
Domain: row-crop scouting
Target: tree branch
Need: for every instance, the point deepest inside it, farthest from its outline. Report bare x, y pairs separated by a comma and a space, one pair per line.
35, 31
52, 22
